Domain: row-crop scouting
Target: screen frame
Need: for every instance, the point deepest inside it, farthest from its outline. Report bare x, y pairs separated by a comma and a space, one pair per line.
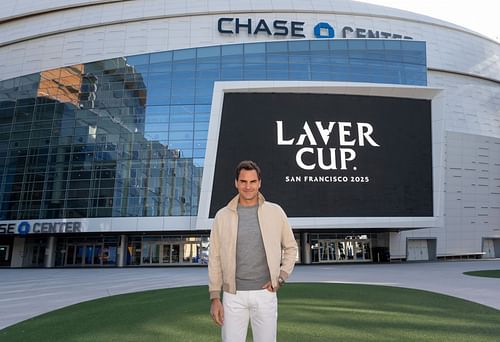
346, 88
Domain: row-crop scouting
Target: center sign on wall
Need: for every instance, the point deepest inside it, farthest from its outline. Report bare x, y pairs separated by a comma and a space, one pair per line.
329, 155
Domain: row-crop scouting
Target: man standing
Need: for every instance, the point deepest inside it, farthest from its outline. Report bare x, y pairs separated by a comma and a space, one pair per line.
252, 252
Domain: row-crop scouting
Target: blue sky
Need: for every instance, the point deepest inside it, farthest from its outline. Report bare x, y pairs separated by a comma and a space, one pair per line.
481, 16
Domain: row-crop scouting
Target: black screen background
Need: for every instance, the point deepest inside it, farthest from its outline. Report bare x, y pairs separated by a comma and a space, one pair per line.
400, 170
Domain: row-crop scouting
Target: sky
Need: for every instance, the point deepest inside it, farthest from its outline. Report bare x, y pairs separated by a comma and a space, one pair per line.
482, 16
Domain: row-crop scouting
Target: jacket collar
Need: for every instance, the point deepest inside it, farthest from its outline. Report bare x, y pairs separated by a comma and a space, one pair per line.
233, 204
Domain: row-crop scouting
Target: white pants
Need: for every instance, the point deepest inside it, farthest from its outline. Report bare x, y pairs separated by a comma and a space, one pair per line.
259, 306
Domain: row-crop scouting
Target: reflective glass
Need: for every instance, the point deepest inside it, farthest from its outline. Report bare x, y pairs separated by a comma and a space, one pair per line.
127, 136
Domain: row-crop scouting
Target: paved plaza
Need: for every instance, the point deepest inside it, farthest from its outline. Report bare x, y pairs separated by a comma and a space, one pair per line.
27, 293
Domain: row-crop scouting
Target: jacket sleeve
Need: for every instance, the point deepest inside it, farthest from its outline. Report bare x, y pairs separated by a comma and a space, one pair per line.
288, 247
214, 263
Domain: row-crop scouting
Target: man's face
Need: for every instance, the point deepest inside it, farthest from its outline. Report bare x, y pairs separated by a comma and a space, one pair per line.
248, 185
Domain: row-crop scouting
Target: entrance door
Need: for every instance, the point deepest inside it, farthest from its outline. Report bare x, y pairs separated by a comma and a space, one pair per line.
85, 254
89, 254
417, 250
489, 248
327, 251
171, 252
341, 250
35, 255
150, 253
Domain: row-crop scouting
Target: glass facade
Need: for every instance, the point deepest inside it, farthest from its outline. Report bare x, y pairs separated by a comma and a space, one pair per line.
154, 250
126, 137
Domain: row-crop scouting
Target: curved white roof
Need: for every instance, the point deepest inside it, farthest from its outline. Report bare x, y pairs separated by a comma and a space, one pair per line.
45, 34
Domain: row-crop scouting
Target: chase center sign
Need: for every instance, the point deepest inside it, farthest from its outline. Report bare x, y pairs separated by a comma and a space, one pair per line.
295, 29
330, 155
42, 227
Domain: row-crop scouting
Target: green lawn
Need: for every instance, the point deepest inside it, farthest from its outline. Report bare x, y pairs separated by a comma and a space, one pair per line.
485, 273
307, 312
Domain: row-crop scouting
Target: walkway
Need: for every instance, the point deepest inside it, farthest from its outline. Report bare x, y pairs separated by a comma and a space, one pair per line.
26, 293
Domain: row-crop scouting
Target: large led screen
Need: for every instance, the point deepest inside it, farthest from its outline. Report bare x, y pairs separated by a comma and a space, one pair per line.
329, 155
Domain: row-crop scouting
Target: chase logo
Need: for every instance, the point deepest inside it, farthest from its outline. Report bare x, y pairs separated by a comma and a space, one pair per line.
324, 30
23, 228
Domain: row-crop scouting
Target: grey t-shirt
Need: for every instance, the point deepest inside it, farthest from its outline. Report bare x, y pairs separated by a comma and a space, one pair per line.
251, 264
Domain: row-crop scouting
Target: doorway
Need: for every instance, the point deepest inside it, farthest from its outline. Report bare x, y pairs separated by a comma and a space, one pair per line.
34, 253
84, 254
421, 249
340, 250
491, 248
171, 252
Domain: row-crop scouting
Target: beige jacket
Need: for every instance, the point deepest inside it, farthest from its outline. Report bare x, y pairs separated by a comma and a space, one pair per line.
277, 235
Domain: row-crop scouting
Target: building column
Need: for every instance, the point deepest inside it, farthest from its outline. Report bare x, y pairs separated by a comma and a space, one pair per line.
50, 252
122, 251
306, 248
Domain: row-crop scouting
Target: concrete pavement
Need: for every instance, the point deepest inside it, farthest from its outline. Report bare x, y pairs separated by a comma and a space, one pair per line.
25, 293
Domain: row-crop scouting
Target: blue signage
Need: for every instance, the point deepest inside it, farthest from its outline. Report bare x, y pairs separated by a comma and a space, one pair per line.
36, 227
23, 228
324, 30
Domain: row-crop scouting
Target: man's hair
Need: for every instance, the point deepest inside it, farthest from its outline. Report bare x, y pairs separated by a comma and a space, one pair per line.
247, 165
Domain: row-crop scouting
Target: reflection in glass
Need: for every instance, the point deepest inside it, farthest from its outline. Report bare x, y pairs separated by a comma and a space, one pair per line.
127, 136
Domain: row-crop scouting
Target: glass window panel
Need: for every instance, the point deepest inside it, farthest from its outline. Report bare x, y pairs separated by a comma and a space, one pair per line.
299, 75
277, 59
231, 50
375, 44
201, 125
182, 112
212, 51
298, 45
207, 66
276, 47
160, 91
232, 59
278, 75
25, 102
161, 57
158, 100
201, 134
319, 45
186, 54
232, 73
181, 135
138, 59
182, 99
338, 44
255, 48
211, 75
19, 135
24, 113
392, 44
299, 59
157, 127
258, 58
203, 98
6, 115
182, 145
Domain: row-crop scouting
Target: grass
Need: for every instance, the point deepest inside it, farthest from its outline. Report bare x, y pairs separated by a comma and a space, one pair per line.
484, 273
307, 312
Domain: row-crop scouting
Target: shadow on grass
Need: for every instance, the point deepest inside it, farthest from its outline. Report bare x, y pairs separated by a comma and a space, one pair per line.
307, 312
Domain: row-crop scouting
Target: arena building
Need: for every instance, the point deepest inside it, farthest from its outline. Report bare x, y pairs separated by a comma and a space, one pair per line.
121, 122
